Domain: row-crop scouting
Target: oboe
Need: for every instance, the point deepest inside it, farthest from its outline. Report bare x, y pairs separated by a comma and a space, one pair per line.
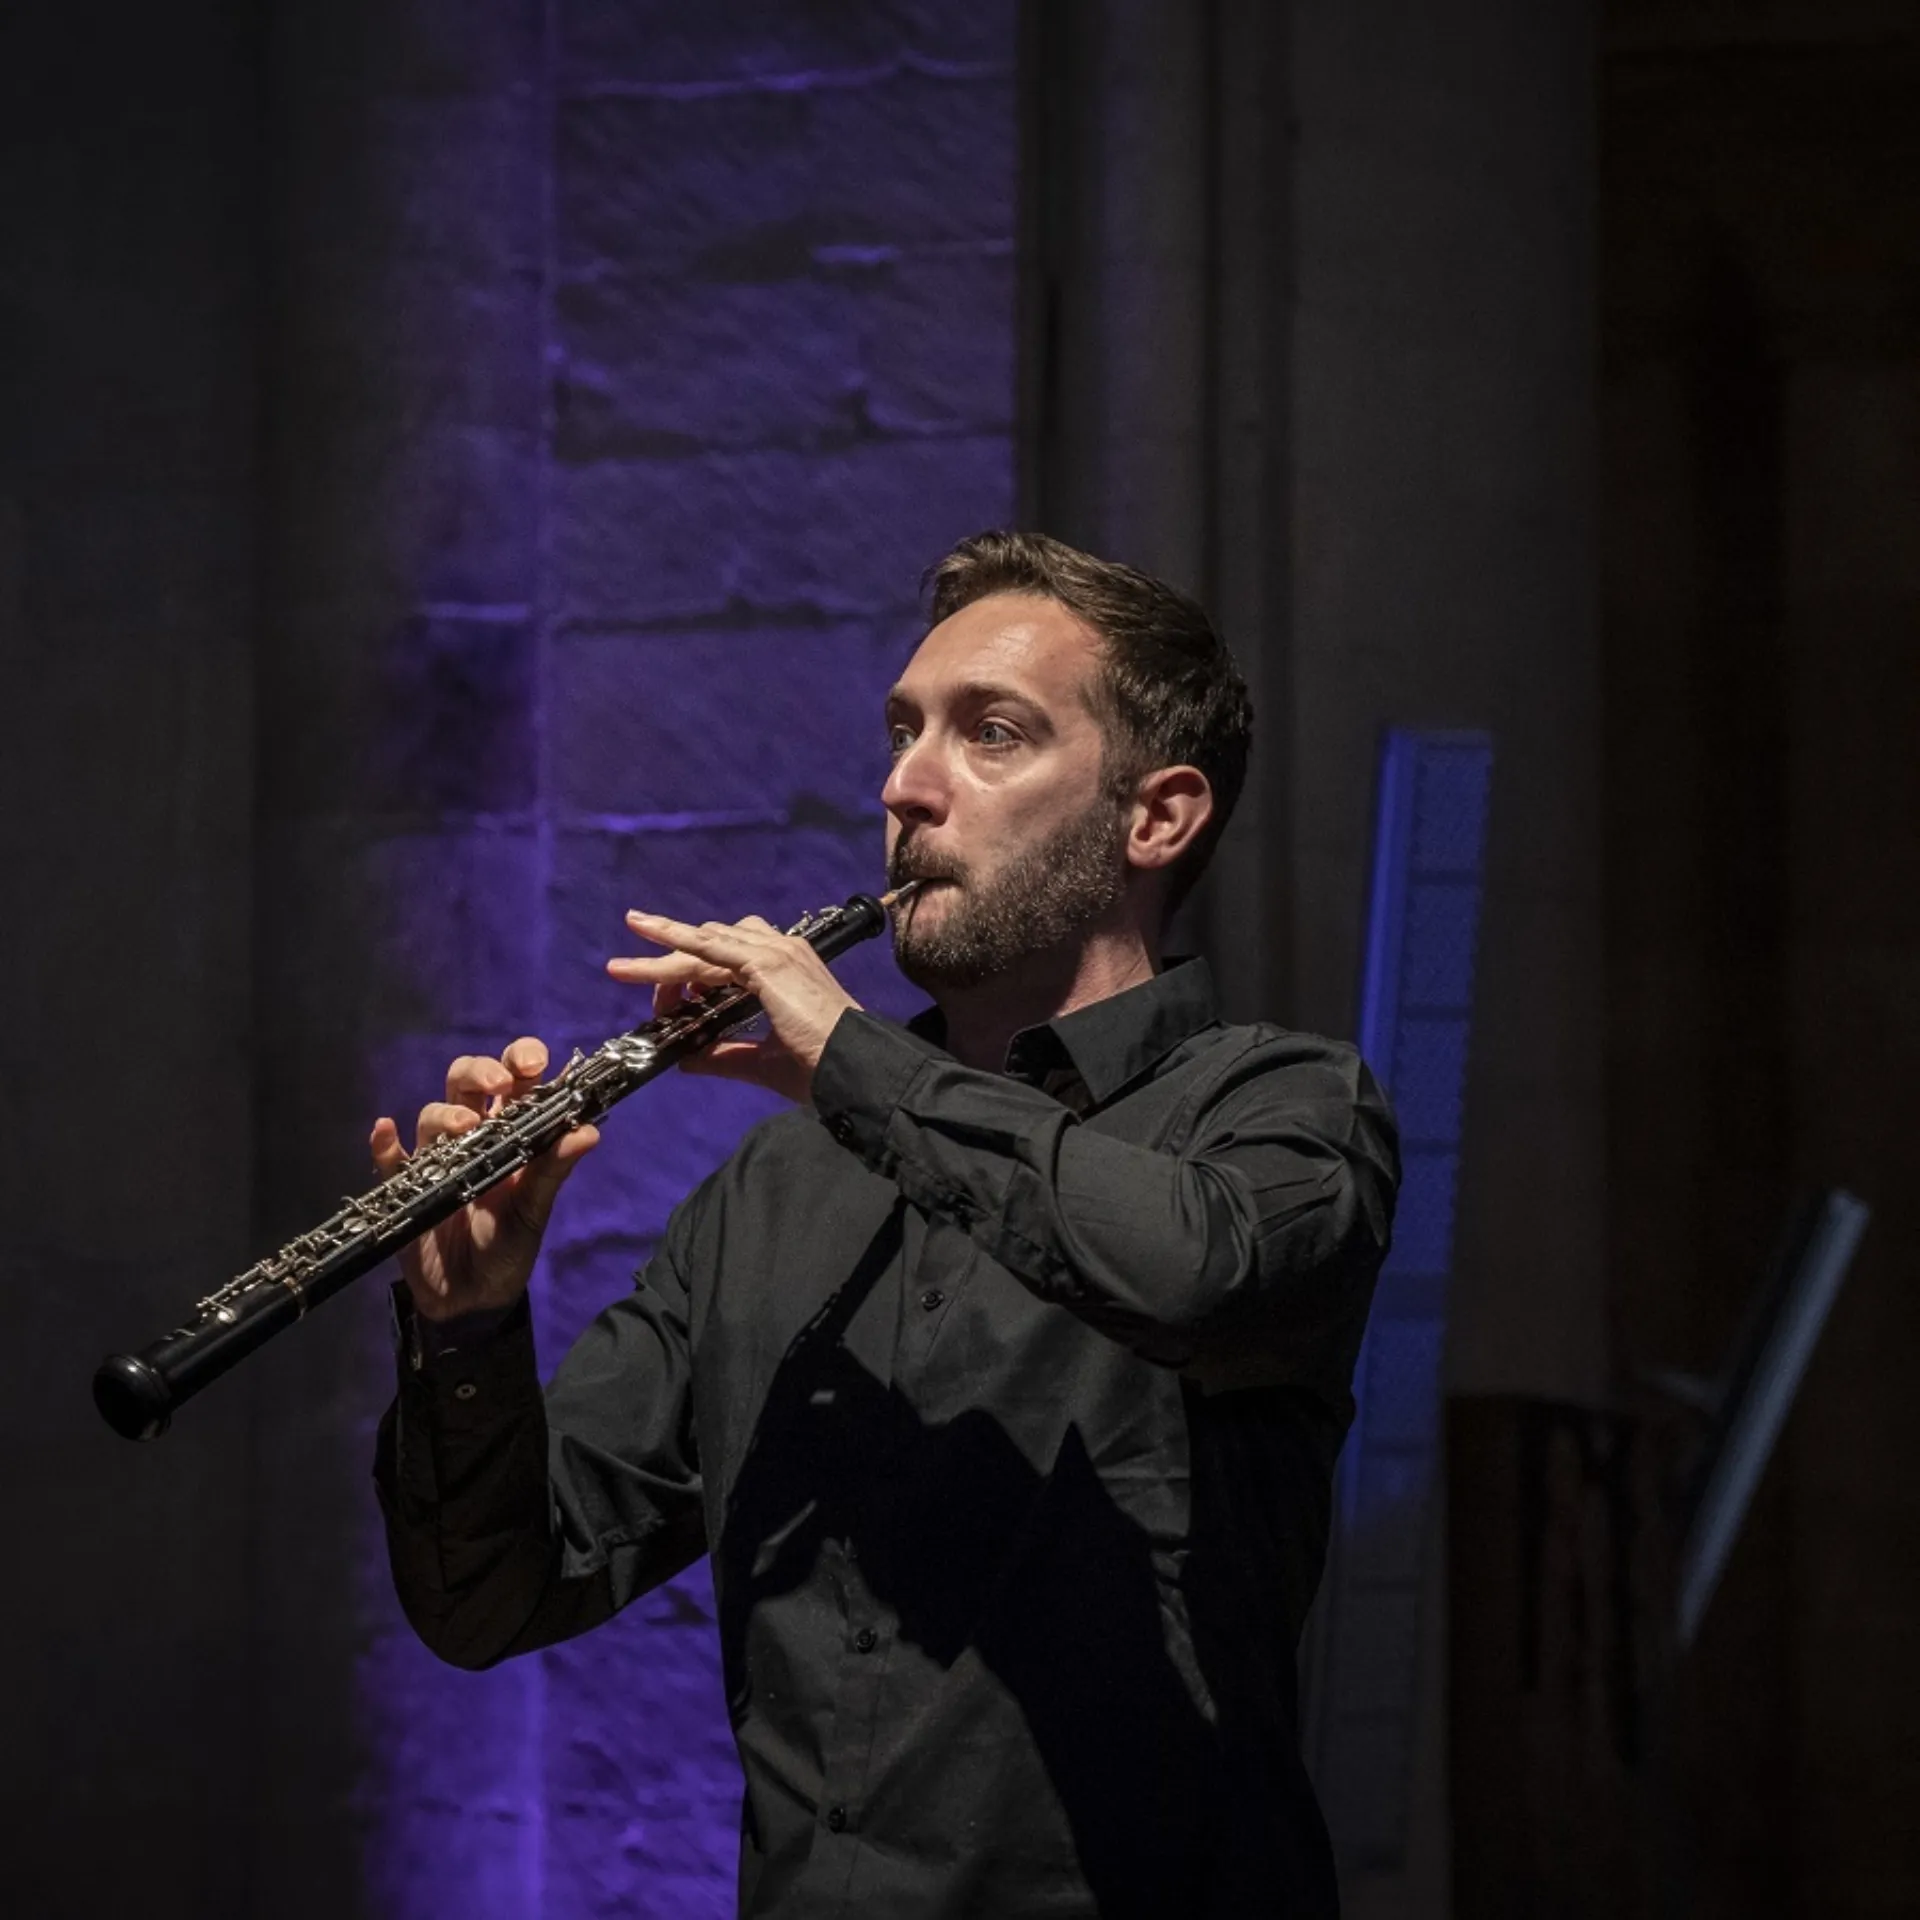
138, 1392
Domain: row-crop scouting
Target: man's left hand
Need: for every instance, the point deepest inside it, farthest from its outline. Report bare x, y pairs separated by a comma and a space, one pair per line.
801, 997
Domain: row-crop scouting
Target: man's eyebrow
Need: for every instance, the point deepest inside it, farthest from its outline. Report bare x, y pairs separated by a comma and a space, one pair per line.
977, 693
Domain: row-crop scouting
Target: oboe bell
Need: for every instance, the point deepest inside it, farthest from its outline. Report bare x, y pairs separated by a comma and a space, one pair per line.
132, 1397
138, 1392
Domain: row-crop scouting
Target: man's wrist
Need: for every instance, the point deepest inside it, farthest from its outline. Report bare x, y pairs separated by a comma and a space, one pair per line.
420, 1340
864, 1074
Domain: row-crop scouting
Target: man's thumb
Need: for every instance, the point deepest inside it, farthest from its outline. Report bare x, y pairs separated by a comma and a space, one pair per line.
547, 1173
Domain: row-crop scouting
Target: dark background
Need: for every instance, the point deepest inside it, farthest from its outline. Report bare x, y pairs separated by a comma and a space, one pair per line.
460, 465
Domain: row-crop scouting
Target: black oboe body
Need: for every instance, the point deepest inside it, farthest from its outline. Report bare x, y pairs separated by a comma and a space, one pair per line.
138, 1392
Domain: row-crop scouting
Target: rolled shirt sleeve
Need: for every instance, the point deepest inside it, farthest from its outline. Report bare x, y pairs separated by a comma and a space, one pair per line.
1263, 1229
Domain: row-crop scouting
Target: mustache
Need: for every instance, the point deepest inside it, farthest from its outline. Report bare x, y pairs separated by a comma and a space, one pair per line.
912, 861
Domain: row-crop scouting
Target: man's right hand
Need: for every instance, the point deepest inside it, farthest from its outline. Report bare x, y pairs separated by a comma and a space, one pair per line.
481, 1258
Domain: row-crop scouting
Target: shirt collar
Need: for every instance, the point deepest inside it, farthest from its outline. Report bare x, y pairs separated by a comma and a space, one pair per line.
1113, 1041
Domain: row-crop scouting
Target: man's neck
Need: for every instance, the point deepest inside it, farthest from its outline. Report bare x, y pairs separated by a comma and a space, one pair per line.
981, 1021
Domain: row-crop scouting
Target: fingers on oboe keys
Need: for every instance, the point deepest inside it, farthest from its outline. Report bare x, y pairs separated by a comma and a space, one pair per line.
477, 1084
389, 1156
526, 1060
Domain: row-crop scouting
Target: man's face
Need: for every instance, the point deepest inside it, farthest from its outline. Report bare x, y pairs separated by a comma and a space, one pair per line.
997, 794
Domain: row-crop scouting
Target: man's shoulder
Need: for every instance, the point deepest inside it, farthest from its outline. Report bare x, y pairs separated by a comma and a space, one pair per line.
1266, 1046
793, 1136
786, 1181
1262, 1059
789, 1151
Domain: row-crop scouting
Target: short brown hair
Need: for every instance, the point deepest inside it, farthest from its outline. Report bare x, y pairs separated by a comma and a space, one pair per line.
1168, 695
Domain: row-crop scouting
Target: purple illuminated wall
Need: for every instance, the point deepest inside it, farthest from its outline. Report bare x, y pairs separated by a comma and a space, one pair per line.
723, 303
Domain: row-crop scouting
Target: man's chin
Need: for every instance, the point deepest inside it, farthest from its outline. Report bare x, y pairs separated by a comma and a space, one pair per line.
933, 972
919, 950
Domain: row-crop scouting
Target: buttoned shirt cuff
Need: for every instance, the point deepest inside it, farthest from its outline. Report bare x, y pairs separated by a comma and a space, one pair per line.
466, 1431
863, 1076
468, 1370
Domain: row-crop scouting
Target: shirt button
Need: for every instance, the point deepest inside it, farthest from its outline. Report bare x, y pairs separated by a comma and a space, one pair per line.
866, 1640
836, 1819
465, 1390
933, 1299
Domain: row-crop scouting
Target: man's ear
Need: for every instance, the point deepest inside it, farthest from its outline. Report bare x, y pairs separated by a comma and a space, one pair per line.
1171, 806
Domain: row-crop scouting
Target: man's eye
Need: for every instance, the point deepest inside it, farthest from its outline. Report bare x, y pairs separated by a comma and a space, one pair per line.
996, 733
899, 739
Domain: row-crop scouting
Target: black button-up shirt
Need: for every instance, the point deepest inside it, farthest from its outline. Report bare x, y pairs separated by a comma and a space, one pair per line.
1007, 1406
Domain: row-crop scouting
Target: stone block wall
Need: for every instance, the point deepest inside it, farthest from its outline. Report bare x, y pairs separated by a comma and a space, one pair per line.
399, 888
654, 359
466, 472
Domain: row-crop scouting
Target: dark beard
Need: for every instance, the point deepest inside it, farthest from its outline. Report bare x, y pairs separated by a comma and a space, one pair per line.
1045, 898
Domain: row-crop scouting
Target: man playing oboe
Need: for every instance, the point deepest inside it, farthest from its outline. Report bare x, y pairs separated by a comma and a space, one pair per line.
1003, 1376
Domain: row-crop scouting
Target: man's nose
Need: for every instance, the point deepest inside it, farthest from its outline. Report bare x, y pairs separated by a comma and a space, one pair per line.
916, 788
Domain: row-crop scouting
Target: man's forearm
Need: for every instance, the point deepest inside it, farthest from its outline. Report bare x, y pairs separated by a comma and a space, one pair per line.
1284, 1197
461, 1467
